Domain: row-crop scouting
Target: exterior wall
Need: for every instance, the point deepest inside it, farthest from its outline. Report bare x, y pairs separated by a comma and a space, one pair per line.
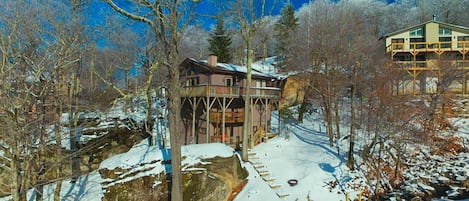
195, 102
404, 35
421, 61
219, 80
431, 32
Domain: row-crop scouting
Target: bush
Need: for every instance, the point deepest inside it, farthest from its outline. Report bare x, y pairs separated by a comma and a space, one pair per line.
286, 113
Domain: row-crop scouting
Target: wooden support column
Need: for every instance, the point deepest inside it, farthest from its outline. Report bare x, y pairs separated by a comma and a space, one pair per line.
251, 117
414, 72
265, 114
464, 78
223, 121
194, 103
208, 105
207, 115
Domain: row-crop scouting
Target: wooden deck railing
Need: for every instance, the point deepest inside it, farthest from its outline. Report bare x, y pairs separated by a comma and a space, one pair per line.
428, 46
432, 64
226, 91
230, 117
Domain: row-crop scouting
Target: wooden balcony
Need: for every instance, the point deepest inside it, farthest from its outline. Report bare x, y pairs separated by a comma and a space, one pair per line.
230, 117
232, 92
462, 46
432, 65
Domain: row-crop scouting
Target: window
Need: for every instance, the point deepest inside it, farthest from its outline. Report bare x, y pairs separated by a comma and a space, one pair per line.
445, 42
261, 83
463, 38
192, 81
417, 43
463, 41
229, 82
417, 32
397, 43
444, 32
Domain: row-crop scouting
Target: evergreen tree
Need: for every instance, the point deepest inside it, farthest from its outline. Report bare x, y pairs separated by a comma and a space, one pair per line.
284, 31
220, 42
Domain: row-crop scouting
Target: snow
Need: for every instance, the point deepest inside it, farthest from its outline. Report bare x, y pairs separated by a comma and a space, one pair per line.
195, 153
139, 154
263, 68
301, 152
305, 156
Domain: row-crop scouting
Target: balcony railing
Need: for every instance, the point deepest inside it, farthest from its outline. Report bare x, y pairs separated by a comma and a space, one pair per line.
432, 64
427, 46
230, 117
227, 91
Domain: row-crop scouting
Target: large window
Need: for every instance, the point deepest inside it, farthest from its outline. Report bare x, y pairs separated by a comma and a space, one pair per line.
463, 41
417, 43
416, 32
397, 43
444, 32
445, 42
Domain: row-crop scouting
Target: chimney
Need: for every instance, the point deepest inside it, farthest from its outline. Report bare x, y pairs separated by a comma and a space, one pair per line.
434, 17
212, 60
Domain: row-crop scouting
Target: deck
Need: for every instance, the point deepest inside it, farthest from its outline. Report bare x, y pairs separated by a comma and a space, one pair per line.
230, 92
462, 46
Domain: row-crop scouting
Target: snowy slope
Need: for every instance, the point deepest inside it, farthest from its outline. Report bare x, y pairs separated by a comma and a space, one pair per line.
301, 152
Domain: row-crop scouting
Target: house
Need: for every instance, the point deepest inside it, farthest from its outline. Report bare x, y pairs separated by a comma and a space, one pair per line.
428, 58
213, 99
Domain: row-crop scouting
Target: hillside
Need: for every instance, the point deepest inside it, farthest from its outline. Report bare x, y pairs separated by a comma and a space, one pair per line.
300, 152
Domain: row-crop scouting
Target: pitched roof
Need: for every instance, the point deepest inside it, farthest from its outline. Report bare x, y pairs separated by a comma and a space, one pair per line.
232, 69
458, 27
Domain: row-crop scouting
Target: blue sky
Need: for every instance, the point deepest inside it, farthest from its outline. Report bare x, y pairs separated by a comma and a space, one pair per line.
206, 8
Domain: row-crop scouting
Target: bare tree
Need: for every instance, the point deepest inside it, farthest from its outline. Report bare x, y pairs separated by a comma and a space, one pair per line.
167, 21
249, 16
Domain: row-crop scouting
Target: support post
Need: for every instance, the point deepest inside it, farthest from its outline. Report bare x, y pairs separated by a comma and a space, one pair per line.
223, 120
194, 108
207, 114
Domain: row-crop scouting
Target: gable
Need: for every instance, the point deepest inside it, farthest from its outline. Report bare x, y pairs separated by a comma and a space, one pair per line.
431, 31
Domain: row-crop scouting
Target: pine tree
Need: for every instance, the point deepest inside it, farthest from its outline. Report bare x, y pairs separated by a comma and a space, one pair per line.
220, 42
284, 31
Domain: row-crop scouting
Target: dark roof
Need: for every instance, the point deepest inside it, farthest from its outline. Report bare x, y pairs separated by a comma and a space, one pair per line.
224, 68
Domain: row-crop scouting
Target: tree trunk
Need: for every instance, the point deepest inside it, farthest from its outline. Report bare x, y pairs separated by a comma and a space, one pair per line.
351, 160
247, 103
301, 111
337, 118
148, 127
16, 181
174, 119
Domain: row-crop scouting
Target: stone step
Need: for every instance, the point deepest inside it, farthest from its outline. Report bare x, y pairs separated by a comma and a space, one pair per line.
259, 167
264, 174
275, 186
282, 195
268, 180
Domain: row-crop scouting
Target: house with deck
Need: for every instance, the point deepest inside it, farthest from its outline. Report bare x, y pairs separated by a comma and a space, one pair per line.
213, 99
428, 58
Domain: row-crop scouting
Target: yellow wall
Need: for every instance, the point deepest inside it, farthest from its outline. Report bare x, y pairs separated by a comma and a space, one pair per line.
404, 35
431, 32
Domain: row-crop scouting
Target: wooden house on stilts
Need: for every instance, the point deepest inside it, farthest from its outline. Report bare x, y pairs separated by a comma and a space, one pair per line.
213, 100
428, 57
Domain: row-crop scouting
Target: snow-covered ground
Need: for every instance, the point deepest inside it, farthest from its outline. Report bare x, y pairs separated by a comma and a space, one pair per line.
301, 152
